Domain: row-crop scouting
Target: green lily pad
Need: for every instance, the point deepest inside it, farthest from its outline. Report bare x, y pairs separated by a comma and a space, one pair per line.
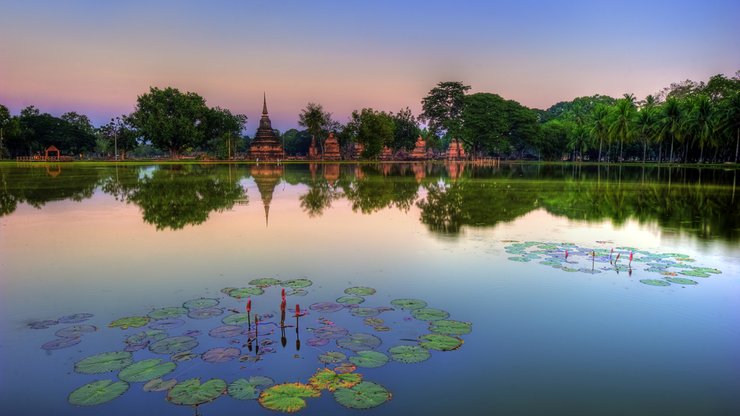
360, 291
326, 307
102, 363
365, 395
681, 281
326, 379
221, 354
409, 354
159, 385
75, 331
244, 389
146, 370
237, 319
287, 397
359, 342
330, 332
264, 282
440, 342
166, 313
350, 300
708, 270
192, 393
173, 345
296, 283
369, 359
430, 314
184, 356
227, 331
520, 259
364, 312
373, 321
129, 322
97, 392
296, 292
694, 273
243, 292
205, 313
200, 303
449, 327
654, 282
332, 357
142, 337
409, 303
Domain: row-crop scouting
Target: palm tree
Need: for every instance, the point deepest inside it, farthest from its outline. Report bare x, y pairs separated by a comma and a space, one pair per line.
728, 119
645, 127
314, 119
672, 117
700, 122
600, 128
621, 126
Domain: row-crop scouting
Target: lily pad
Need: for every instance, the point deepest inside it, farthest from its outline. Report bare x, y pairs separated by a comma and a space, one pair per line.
707, 270
173, 345
159, 385
296, 292
381, 328
373, 321
681, 281
264, 282
200, 303
129, 322
146, 370
326, 379
654, 282
409, 303
227, 331
164, 324
184, 356
97, 392
205, 313
192, 393
365, 312
369, 359
520, 259
166, 313
332, 357
102, 363
75, 318
244, 389
440, 342
287, 397
350, 300
326, 307
296, 283
409, 354
143, 337
244, 292
237, 319
75, 331
360, 291
42, 324
430, 314
449, 327
330, 332
317, 342
694, 273
221, 355
345, 368
365, 395
359, 342
59, 343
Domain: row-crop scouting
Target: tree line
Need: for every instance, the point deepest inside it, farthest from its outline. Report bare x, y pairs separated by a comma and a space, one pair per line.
686, 122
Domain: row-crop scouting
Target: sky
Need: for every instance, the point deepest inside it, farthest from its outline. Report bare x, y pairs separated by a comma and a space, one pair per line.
97, 57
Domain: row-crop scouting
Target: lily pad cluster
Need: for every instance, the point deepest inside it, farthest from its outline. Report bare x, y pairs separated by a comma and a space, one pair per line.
67, 336
658, 269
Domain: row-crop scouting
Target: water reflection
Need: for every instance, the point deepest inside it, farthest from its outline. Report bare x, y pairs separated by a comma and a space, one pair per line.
449, 196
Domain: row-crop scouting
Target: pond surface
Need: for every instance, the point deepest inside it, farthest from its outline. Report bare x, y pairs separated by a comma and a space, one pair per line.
528, 266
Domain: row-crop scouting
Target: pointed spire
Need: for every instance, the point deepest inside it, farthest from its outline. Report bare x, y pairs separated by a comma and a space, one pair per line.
267, 215
264, 103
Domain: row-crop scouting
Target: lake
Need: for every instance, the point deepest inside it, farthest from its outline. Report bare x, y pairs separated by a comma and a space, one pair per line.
513, 289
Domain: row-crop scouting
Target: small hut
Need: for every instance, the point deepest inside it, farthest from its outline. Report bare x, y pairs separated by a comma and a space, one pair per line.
52, 149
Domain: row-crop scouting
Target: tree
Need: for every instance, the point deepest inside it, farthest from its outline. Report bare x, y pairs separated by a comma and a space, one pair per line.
443, 106
645, 127
222, 129
406, 130
171, 120
296, 142
621, 125
4, 122
728, 120
485, 124
672, 119
315, 120
600, 125
701, 122
374, 129
121, 134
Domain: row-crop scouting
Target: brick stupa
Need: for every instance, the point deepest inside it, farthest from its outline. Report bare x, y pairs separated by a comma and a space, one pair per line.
331, 148
455, 151
420, 150
386, 153
313, 151
266, 145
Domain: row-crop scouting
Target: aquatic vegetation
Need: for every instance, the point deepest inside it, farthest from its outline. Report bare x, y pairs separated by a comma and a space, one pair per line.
409, 354
345, 368
166, 313
288, 397
159, 385
236, 319
227, 331
365, 312
369, 359
200, 303
64, 342
448, 327
296, 292
75, 331
681, 281
350, 300
440, 342
264, 282
220, 355
296, 283
173, 345
326, 307
364, 395
103, 363
373, 321
326, 379
694, 273
144, 337
191, 392
654, 282
42, 324
75, 318
97, 392
332, 357
129, 322
430, 314
165, 324
146, 370
360, 291
330, 332
244, 292
249, 389
409, 303
205, 313
359, 341
317, 342
184, 356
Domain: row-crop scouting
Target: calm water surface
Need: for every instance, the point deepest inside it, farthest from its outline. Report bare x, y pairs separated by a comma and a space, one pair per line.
122, 241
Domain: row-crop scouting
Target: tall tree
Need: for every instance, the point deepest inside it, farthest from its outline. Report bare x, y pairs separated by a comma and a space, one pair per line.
600, 125
170, 119
121, 134
728, 120
672, 119
406, 129
374, 130
701, 123
222, 128
315, 120
621, 125
645, 127
443, 106
4, 122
